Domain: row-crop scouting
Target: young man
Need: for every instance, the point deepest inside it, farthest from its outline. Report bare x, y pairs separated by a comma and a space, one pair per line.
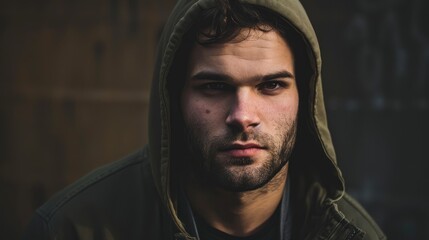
239, 145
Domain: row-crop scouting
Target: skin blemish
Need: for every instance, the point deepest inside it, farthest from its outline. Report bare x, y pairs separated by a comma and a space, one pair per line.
207, 111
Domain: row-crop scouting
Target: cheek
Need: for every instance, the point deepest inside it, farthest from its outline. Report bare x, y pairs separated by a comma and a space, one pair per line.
292, 105
281, 108
188, 107
196, 112
293, 108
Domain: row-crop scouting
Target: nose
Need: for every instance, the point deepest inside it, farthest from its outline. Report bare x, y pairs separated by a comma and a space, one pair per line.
243, 113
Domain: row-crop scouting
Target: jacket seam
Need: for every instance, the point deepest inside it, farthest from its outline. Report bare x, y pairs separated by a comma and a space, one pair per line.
46, 222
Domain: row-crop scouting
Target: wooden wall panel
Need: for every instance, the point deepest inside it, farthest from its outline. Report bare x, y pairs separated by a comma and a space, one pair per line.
74, 90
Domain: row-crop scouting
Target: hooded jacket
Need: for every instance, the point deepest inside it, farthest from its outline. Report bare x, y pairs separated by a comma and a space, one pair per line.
133, 198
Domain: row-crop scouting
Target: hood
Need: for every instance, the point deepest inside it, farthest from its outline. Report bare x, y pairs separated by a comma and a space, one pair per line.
313, 164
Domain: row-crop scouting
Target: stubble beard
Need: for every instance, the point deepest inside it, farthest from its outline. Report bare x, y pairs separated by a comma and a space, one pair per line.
238, 174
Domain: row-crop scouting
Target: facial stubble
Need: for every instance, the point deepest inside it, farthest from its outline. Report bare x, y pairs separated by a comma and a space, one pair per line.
238, 174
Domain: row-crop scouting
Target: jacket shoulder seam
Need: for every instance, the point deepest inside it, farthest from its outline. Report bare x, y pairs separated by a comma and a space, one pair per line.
45, 221
97, 175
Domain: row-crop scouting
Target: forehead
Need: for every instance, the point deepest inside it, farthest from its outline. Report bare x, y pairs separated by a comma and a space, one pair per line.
246, 37
250, 51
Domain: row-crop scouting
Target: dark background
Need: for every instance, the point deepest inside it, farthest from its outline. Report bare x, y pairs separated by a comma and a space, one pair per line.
74, 80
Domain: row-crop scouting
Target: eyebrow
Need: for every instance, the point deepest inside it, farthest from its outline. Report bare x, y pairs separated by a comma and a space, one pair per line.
276, 75
213, 76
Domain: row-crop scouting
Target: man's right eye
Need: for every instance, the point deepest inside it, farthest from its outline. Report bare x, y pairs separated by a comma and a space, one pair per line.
215, 86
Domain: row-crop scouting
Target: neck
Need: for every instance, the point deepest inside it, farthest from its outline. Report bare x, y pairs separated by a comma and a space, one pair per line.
237, 213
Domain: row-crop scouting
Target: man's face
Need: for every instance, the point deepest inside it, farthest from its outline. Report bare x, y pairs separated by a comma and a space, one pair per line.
240, 104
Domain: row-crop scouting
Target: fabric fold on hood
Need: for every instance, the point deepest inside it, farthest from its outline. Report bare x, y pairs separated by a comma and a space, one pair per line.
183, 16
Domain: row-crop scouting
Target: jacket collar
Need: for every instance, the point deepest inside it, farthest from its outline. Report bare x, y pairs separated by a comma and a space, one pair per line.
328, 223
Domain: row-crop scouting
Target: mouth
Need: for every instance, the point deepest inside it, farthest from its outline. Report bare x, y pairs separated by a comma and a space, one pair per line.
242, 150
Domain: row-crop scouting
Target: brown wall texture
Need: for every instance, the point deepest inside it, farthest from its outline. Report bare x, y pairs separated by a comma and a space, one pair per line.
74, 80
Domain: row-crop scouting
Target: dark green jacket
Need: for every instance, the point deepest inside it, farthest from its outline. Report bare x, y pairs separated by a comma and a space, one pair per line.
135, 198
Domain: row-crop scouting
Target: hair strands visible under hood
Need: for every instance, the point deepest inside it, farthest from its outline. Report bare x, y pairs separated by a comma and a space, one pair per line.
225, 22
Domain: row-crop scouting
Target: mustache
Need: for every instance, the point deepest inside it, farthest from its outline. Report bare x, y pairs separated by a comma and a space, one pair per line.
206, 150
225, 141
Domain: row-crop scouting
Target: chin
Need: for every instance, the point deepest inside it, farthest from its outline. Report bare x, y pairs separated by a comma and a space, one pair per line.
241, 161
244, 174
240, 178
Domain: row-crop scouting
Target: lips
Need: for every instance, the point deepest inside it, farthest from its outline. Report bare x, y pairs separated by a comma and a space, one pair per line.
239, 150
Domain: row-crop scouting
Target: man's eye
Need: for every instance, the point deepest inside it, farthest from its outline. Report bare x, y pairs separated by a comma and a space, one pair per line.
219, 86
271, 85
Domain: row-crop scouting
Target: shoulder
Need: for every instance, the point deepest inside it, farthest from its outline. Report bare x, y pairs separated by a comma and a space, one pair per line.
101, 200
357, 215
99, 183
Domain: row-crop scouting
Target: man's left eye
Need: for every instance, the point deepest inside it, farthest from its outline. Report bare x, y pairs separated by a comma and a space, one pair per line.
271, 85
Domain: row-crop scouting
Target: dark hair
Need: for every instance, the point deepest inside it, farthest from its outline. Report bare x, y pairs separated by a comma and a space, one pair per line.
225, 21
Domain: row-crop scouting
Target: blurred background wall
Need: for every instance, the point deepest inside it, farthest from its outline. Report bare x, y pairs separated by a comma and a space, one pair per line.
75, 76
74, 80
376, 79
